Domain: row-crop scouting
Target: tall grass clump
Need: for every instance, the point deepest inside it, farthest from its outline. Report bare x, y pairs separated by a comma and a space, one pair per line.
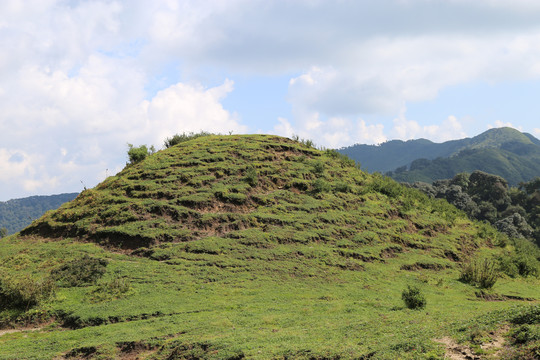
482, 273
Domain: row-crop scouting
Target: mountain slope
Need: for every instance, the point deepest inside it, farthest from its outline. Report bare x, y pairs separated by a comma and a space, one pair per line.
515, 162
505, 152
16, 214
396, 153
259, 247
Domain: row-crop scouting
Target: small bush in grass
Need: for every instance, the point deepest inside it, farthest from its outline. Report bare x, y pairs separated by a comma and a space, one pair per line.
23, 292
109, 290
251, 176
318, 168
342, 186
526, 333
481, 273
80, 272
413, 298
320, 186
180, 138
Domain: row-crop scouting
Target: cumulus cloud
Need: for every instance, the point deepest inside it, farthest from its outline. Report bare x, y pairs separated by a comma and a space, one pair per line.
449, 129
283, 128
334, 132
83, 78
187, 108
499, 124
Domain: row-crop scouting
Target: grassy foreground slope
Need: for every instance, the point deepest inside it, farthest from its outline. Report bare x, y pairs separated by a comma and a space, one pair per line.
231, 247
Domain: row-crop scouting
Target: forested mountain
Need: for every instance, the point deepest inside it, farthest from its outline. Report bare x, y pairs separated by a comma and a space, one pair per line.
16, 214
260, 247
396, 153
504, 151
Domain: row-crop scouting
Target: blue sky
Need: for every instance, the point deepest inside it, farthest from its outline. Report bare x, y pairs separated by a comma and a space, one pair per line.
81, 79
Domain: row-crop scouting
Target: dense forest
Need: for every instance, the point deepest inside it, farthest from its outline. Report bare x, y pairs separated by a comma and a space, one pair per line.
16, 214
486, 197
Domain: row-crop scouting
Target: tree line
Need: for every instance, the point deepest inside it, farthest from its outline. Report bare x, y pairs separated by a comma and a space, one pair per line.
514, 211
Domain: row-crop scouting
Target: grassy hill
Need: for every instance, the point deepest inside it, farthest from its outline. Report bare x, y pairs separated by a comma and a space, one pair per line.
258, 247
504, 151
17, 214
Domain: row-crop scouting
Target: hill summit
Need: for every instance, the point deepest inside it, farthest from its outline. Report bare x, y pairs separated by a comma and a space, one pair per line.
259, 188
249, 246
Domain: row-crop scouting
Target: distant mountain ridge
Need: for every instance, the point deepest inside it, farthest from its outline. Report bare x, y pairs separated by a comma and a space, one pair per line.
16, 214
502, 151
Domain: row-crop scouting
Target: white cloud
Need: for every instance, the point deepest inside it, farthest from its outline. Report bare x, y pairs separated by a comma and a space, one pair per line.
449, 129
13, 164
79, 124
283, 128
185, 108
83, 78
334, 132
499, 124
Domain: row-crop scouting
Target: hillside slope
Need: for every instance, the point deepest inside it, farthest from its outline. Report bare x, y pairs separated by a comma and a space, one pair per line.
504, 151
17, 214
259, 247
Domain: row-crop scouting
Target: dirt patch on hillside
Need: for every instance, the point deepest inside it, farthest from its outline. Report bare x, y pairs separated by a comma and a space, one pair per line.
494, 347
11, 331
455, 351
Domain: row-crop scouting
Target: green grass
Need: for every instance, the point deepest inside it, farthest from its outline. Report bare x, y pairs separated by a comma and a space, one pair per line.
204, 261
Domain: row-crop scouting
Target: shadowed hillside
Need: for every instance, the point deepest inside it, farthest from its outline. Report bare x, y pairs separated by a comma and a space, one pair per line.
254, 246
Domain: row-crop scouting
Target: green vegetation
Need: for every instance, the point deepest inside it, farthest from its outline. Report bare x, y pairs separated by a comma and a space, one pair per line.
480, 272
80, 271
514, 211
137, 154
17, 214
413, 298
505, 152
522, 324
257, 247
180, 138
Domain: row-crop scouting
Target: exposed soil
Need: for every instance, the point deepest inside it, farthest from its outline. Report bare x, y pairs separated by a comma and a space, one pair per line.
497, 341
455, 351
10, 331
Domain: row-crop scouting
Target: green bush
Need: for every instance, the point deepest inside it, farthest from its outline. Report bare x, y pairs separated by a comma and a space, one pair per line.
180, 138
342, 186
251, 176
413, 298
80, 272
139, 153
23, 292
481, 273
386, 185
525, 333
109, 290
320, 186
318, 168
